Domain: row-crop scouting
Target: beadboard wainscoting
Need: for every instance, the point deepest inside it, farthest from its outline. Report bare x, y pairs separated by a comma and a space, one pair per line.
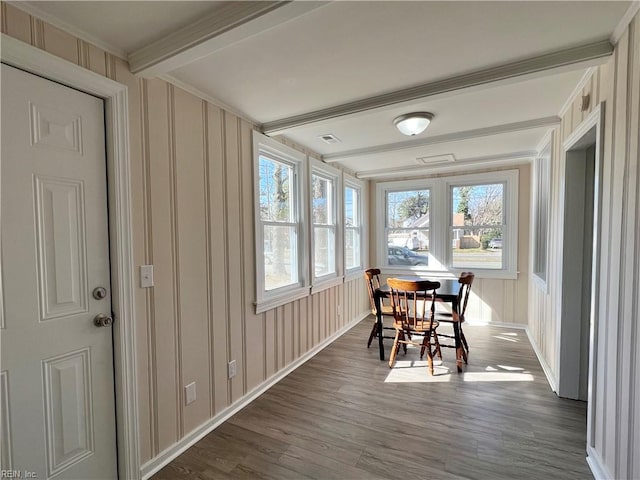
192, 215
614, 437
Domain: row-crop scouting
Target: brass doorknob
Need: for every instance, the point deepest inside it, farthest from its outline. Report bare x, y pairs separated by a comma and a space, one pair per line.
102, 320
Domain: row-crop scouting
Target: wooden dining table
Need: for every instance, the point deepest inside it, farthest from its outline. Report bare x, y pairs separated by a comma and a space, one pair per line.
447, 293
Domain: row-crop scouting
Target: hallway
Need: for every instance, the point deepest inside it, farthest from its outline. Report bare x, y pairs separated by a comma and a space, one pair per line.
346, 415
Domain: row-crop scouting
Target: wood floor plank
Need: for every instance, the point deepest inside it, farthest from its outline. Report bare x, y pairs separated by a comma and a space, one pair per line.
345, 415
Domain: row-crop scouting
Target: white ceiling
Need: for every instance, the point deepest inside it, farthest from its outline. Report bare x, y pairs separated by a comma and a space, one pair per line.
313, 59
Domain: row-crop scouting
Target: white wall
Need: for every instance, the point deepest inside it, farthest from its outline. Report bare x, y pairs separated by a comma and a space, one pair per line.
614, 439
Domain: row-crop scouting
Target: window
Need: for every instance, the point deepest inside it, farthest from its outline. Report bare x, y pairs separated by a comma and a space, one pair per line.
446, 225
280, 223
541, 180
477, 227
325, 198
407, 227
353, 225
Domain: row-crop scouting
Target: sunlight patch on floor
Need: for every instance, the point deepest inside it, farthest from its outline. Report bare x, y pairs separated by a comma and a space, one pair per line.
416, 371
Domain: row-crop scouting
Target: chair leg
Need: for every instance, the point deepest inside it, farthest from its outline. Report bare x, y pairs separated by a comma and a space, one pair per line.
423, 346
437, 344
394, 350
427, 339
464, 340
374, 331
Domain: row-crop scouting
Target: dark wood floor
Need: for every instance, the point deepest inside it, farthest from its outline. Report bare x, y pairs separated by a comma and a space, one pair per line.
346, 415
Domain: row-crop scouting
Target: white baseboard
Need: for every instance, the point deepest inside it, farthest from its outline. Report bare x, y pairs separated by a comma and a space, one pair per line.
597, 467
156, 463
551, 378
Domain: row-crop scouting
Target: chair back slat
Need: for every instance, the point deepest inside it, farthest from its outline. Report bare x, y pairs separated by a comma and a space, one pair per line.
410, 300
372, 278
465, 280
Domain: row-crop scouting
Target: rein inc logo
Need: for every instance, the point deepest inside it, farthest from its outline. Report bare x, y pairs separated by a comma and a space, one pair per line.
18, 474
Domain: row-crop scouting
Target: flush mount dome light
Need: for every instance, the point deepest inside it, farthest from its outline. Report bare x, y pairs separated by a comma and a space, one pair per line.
413, 123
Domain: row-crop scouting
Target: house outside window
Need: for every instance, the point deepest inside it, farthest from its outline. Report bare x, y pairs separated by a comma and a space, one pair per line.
446, 225
407, 227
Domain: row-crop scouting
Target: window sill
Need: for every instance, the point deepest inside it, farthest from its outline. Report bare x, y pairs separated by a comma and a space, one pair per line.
539, 283
354, 274
325, 284
281, 299
479, 273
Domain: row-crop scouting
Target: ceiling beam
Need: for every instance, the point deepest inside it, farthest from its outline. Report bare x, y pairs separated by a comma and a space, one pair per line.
226, 24
585, 55
445, 138
466, 164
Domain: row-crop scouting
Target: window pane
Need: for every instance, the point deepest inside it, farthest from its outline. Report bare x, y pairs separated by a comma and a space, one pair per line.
478, 205
324, 251
276, 191
351, 207
280, 256
352, 248
477, 247
408, 247
409, 209
321, 200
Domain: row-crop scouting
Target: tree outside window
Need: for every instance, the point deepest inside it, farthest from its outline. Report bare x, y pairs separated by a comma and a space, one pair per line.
477, 226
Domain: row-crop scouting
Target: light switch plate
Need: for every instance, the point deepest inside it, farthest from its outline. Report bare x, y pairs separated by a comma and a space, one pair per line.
190, 393
146, 276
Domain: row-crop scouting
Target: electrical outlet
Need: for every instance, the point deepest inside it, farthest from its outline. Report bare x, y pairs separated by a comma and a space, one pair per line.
232, 368
146, 276
190, 393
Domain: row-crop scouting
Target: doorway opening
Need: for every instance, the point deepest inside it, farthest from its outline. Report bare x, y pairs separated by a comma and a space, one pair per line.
578, 329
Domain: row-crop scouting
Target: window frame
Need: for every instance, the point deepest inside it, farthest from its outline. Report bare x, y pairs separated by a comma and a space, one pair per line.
540, 210
321, 169
441, 219
266, 300
349, 181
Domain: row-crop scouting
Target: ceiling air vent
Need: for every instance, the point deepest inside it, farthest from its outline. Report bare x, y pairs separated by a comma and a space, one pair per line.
329, 138
449, 157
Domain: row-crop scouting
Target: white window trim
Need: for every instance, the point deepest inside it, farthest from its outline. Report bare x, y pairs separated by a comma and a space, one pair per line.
334, 278
439, 223
268, 300
545, 154
359, 186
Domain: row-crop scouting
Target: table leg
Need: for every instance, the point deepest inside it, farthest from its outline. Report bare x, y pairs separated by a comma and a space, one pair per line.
380, 327
456, 334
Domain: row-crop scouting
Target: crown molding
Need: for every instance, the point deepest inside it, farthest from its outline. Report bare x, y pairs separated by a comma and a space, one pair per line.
624, 22
577, 90
467, 164
584, 55
448, 137
35, 11
228, 23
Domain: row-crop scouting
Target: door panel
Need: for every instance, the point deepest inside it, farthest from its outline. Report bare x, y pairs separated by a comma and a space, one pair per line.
56, 365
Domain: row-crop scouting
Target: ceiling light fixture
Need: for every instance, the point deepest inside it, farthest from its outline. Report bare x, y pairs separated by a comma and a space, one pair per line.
413, 123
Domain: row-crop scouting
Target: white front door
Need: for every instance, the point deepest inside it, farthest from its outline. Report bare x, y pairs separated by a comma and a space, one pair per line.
56, 384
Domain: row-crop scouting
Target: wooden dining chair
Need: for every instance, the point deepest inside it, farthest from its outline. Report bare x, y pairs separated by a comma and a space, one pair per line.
372, 278
413, 305
465, 280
